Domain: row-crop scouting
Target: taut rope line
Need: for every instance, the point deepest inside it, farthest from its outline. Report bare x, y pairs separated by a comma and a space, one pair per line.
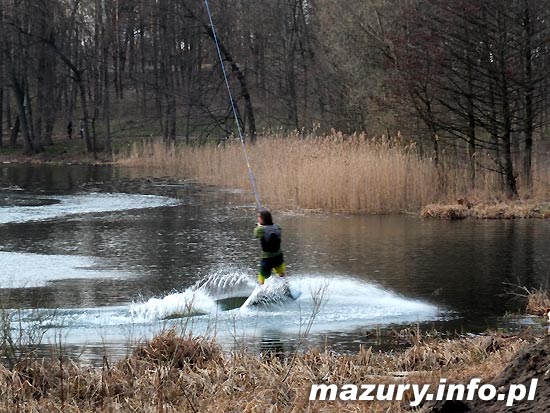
252, 180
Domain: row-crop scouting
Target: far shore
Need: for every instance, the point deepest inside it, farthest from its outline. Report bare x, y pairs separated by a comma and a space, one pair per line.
327, 174
55, 158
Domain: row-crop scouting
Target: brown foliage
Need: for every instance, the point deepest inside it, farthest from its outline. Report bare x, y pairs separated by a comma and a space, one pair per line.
176, 351
182, 374
334, 173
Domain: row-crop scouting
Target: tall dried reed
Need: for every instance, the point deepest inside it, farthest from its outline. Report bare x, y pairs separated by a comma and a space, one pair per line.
335, 173
180, 374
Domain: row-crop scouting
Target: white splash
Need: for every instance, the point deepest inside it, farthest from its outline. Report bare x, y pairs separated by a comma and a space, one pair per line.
326, 304
198, 299
186, 303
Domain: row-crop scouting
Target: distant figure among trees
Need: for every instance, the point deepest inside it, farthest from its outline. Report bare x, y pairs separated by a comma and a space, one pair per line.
70, 129
82, 129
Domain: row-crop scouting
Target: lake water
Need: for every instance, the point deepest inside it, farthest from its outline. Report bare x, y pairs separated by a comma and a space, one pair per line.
102, 257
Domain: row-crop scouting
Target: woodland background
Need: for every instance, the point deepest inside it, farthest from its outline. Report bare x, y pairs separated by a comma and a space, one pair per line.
467, 78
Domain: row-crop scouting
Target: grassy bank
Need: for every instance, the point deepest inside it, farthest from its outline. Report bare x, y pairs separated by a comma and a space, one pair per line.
334, 173
182, 374
484, 210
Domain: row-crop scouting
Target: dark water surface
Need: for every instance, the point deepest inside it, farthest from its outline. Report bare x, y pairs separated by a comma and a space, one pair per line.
117, 254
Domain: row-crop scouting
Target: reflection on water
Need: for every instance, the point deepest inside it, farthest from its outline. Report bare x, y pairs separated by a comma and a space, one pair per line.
121, 254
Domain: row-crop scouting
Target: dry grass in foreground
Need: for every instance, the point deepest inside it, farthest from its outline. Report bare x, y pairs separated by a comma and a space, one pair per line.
174, 373
538, 301
180, 374
334, 173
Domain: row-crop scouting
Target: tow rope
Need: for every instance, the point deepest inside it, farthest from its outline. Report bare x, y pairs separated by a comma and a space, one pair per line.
252, 180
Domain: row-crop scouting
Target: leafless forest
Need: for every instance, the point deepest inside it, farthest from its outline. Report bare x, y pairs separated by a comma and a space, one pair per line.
468, 77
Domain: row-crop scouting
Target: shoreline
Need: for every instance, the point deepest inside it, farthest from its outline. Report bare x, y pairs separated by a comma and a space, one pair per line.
55, 159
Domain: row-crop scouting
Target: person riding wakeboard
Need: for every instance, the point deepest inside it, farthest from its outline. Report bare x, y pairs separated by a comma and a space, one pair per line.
270, 238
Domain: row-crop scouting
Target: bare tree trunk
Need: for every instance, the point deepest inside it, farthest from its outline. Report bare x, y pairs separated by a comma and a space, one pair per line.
471, 133
1, 106
8, 110
41, 81
2, 78
117, 53
472, 144
122, 47
290, 34
435, 146
142, 58
509, 176
292, 94
51, 108
52, 96
106, 104
50, 118
73, 95
14, 132
307, 58
493, 123
164, 64
133, 63
187, 72
35, 139
155, 58
171, 78
166, 22
85, 116
129, 40
249, 109
40, 103
430, 122
2, 75
103, 53
19, 94
529, 117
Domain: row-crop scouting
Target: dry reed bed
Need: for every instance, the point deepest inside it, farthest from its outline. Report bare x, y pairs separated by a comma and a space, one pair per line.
182, 374
335, 173
498, 210
538, 301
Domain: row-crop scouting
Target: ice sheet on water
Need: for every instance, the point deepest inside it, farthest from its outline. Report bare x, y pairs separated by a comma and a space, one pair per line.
70, 205
26, 270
